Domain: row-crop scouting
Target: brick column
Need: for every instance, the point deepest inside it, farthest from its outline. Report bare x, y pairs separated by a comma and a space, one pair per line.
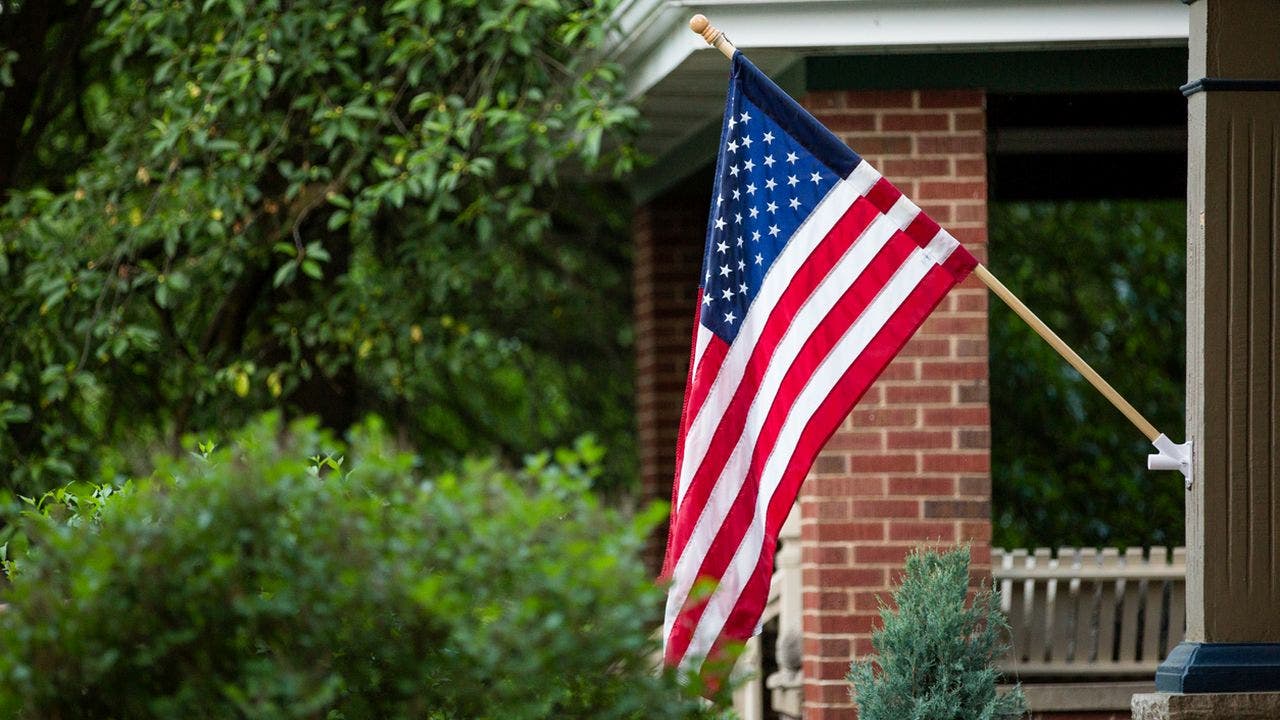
668, 233
911, 465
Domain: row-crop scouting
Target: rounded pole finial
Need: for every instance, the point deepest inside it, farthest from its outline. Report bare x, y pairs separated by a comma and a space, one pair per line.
699, 23
716, 39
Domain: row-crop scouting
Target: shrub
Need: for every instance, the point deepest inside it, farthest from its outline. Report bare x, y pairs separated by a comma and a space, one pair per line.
253, 582
935, 653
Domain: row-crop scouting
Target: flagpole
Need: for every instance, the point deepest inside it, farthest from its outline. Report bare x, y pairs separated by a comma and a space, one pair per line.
717, 39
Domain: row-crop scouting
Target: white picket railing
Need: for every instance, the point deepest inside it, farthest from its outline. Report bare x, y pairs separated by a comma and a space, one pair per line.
1075, 615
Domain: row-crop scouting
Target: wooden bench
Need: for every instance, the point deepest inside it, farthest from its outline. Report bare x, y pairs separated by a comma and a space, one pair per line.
1081, 613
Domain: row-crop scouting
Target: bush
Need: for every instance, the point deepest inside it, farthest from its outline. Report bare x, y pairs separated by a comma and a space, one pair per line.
251, 582
935, 654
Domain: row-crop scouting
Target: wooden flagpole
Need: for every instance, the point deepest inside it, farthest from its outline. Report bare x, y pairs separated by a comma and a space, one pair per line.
715, 38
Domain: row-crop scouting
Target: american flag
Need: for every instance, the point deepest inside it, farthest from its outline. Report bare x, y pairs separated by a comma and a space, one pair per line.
816, 272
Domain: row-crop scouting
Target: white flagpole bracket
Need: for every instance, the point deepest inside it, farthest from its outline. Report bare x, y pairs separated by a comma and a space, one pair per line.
1172, 456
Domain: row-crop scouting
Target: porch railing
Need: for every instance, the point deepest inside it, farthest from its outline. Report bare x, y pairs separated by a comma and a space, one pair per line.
1075, 614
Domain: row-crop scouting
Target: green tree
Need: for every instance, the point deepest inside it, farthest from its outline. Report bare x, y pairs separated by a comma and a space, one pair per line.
254, 582
220, 207
1109, 277
935, 655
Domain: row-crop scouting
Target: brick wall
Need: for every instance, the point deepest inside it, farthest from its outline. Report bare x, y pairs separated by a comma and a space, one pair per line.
911, 464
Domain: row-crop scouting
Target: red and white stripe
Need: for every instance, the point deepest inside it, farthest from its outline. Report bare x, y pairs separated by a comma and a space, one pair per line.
846, 292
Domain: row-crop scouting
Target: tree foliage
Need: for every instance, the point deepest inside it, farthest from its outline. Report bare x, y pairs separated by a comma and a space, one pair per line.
224, 206
935, 655
251, 581
1109, 277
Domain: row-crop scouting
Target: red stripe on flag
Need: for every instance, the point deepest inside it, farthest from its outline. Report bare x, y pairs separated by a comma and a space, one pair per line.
883, 195
813, 270
824, 337
855, 382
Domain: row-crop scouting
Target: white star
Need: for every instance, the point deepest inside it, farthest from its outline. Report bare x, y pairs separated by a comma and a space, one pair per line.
742, 288
768, 138
746, 141
708, 275
737, 194
732, 122
729, 317
816, 178
751, 188
737, 217
795, 203
792, 158
720, 223
721, 247
733, 171
732, 146
755, 235
706, 299
746, 116
739, 241
769, 184
792, 180
727, 294
724, 271
755, 211
741, 265
768, 161
774, 230
759, 259
749, 165
771, 207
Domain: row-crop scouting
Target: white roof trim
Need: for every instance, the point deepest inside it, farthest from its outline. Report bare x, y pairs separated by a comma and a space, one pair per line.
652, 40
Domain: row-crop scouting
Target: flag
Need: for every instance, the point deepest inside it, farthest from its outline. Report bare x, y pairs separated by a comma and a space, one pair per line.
816, 272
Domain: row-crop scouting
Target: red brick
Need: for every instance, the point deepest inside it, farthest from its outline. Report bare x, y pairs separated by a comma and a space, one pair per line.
971, 167
849, 531
855, 440
971, 121
827, 600
842, 624
921, 486
919, 394
832, 669
843, 486
920, 439
827, 647
973, 392
845, 577
944, 325
896, 169
827, 464
862, 647
954, 509
975, 485
977, 531
975, 439
817, 101
900, 369
950, 145
952, 190
957, 462
971, 347
957, 416
846, 122
915, 121
890, 417
941, 531
884, 554
886, 509
952, 99
878, 144
926, 347
824, 555
875, 99
900, 462
825, 510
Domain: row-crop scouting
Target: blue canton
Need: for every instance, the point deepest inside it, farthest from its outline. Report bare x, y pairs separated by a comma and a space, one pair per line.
766, 185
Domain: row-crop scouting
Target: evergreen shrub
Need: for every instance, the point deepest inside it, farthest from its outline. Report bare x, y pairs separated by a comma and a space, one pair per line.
935, 654
282, 577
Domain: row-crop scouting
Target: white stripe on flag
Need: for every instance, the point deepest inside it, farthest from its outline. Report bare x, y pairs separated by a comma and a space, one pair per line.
820, 384
814, 309
778, 278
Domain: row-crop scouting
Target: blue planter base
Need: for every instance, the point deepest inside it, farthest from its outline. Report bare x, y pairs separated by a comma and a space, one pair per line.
1220, 667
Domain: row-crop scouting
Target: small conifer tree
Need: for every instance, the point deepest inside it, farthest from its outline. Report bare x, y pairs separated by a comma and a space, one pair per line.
935, 656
